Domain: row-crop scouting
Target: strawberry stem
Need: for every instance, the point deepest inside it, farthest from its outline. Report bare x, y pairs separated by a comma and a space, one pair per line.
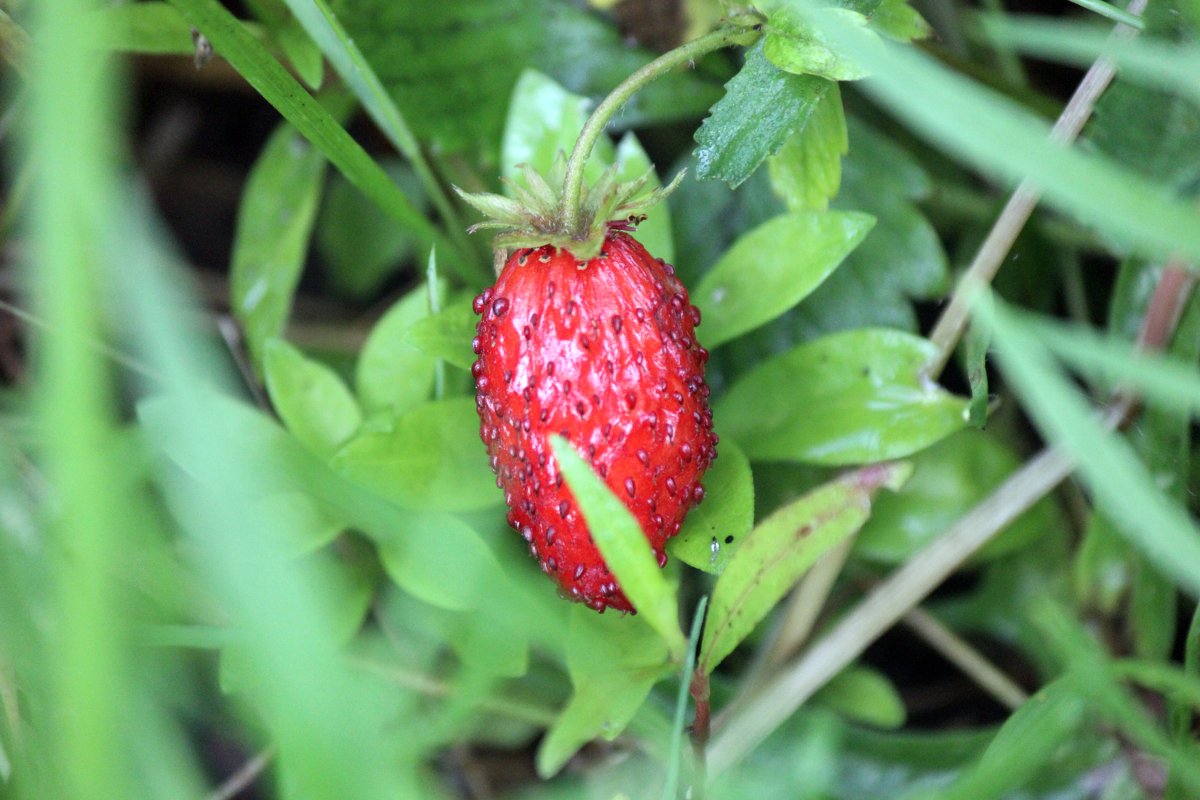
735, 31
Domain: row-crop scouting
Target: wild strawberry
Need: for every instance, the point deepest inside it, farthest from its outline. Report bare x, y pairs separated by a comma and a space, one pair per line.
602, 351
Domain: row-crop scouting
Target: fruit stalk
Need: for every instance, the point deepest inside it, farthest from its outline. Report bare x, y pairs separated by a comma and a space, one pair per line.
730, 33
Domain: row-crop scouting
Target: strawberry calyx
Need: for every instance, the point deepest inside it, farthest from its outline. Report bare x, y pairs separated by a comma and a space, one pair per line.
534, 216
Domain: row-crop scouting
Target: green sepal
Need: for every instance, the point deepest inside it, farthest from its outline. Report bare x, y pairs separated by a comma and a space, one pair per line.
534, 217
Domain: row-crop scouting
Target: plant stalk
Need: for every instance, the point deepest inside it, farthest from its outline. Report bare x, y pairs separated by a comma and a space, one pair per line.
573, 181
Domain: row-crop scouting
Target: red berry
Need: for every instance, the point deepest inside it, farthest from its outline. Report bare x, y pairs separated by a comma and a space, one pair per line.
605, 354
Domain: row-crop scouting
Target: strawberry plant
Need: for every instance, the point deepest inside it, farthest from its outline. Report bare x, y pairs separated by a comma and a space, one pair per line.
321, 317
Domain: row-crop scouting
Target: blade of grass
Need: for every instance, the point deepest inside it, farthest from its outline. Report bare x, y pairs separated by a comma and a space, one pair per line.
1119, 483
675, 751
70, 134
1166, 65
251, 59
1170, 382
1003, 234
1009, 143
344, 55
1109, 11
328, 721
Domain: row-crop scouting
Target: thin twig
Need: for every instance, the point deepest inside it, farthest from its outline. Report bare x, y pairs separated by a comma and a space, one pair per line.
244, 777
1016, 213
963, 655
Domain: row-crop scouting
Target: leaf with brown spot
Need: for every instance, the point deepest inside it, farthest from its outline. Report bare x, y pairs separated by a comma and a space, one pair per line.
781, 548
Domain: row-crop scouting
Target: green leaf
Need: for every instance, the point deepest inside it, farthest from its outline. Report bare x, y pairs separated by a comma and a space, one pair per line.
795, 44
392, 374
274, 222
851, 397
1121, 486
898, 20
613, 666
1011, 143
233, 41
949, 479
451, 66
762, 107
439, 559
303, 53
901, 258
620, 539
304, 526
772, 268
310, 398
655, 231
865, 695
544, 119
141, 28
447, 334
975, 353
431, 459
1024, 745
781, 548
715, 529
359, 244
807, 170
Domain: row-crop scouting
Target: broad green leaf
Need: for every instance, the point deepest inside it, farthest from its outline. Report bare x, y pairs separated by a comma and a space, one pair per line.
544, 120
865, 695
303, 53
154, 28
274, 222
949, 478
235, 43
781, 548
613, 665
431, 459
807, 170
447, 334
439, 559
310, 398
620, 539
851, 397
392, 374
360, 245
772, 268
898, 20
762, 107
1011, 143
796, 45
451, 66
1120, 484
900, 260
715, 529
304, 526
348, 585
1024, 745
266, 448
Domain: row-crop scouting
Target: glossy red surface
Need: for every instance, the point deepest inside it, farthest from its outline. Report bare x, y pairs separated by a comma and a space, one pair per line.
605, 354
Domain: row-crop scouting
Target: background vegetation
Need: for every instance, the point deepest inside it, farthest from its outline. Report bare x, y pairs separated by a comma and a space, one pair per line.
249, 542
